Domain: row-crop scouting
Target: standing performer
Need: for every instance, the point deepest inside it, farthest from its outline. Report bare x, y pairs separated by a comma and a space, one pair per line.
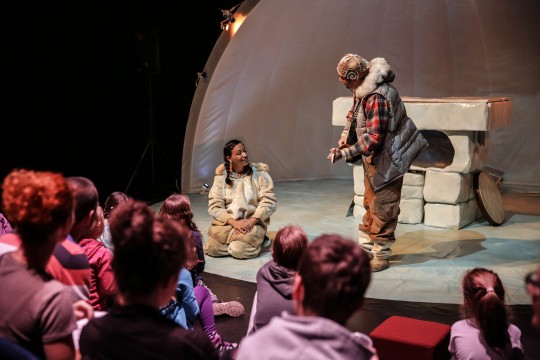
379, 132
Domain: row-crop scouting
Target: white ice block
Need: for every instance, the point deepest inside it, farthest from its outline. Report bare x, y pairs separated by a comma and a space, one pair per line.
340, 108
358, 179
451, 113
358, 210
412, 192
448, 187
459, 113
450, 216
414, 178
411, 211
410, 179
470, 151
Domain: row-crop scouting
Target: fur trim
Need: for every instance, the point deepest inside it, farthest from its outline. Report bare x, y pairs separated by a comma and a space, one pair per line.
379, 72
220, 170
261, 167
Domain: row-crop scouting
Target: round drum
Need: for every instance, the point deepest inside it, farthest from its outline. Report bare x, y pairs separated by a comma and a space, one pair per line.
488, 198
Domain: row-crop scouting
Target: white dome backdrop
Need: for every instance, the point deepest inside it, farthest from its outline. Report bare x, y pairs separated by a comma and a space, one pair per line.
272, 84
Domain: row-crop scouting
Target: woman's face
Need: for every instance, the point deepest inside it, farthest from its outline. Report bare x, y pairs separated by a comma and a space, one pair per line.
238, 158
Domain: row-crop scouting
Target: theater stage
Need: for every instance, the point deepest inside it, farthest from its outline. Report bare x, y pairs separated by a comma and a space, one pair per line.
423, 281
427, 263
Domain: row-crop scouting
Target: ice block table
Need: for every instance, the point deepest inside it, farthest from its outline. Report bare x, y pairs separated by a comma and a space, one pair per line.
466, 121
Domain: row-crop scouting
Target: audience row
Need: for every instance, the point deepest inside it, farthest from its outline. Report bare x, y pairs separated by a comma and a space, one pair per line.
129, 283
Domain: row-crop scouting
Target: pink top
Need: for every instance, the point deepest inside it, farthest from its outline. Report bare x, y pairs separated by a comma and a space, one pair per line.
102, 283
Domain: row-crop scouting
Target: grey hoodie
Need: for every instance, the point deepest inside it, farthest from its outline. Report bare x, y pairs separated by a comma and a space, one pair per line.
274, 293
305, 338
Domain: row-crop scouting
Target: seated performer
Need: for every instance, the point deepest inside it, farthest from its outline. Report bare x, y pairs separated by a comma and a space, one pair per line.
241, 202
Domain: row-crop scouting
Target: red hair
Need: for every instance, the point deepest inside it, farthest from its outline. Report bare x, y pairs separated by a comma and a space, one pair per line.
36, 203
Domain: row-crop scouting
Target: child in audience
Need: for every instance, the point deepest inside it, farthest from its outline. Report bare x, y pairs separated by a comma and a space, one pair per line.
149, 254
102, 284
35, 310
275, 278
329, 286
87, 228
183, 307
485, 332
112, 202
177, 207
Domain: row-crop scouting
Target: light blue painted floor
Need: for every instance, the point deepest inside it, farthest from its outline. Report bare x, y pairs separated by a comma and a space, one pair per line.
428, 262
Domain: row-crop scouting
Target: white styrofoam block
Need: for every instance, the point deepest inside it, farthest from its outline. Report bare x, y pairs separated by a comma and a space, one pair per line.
470, 151
358, 210
411, 211
414, 178
358, 179
340, 108
448, 187
466, 126
452, 113
412, 192
450, 216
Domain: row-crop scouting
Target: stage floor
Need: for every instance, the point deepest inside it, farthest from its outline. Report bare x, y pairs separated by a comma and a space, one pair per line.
427, 264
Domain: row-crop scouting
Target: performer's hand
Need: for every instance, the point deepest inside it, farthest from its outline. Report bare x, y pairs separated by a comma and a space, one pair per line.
243, 226
331, 154
246, 226
236, 224
342, 141
335, 154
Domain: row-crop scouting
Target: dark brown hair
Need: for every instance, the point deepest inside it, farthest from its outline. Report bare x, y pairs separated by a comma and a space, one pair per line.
484, 301
85, 194
335, 274
86, 202
96, 226
147, 250
113, 200
177, 207
288, 246
227, 151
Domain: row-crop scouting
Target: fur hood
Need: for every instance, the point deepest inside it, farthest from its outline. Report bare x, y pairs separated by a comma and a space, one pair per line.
379, 72
220, 170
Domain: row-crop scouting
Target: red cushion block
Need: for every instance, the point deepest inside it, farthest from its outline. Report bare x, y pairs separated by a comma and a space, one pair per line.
404, 338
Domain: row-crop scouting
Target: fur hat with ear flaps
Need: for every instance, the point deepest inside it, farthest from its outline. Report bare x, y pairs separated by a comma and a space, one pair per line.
374, 72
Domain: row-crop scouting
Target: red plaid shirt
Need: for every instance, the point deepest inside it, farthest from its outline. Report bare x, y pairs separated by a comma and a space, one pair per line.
377, 114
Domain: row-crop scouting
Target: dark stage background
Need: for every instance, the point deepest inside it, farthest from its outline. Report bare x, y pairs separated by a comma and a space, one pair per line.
76, 95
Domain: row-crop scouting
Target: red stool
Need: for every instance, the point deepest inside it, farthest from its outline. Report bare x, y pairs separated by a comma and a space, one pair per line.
404, 338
